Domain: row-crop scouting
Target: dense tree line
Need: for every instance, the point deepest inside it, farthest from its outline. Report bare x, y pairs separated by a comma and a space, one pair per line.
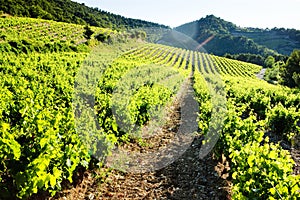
286, 73
265, 61
222, 44
291, 72
71, 12
291, 33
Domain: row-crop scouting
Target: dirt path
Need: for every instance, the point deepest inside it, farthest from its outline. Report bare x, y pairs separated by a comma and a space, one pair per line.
261, 74
189, 177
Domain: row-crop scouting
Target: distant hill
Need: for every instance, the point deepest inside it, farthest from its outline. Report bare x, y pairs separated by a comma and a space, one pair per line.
284, 41
226, 37
72, 12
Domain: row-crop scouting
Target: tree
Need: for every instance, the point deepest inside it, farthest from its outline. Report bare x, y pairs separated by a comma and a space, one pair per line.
102, 37
296, 78
269, 61
292, 70
88, 32
38, 12
273, 74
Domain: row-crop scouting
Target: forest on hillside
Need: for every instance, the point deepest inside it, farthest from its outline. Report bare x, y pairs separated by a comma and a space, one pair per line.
246, 44
72, 12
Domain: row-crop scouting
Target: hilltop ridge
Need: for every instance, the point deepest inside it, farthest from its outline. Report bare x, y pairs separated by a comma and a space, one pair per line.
72, 12
233, 39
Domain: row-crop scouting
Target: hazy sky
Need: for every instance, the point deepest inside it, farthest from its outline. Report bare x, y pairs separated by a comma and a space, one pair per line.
250, 13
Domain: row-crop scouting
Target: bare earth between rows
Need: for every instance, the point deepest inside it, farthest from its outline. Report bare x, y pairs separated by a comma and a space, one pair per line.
188, 177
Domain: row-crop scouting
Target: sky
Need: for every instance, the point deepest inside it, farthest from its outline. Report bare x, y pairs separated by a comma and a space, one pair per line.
250, 13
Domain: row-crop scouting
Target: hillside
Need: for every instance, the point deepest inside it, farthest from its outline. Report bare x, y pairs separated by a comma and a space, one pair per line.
68, 99
25, 35
227, 37
71, 12
284, 41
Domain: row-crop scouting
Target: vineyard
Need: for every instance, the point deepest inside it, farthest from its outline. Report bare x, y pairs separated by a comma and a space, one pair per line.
25, 35
67, 102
